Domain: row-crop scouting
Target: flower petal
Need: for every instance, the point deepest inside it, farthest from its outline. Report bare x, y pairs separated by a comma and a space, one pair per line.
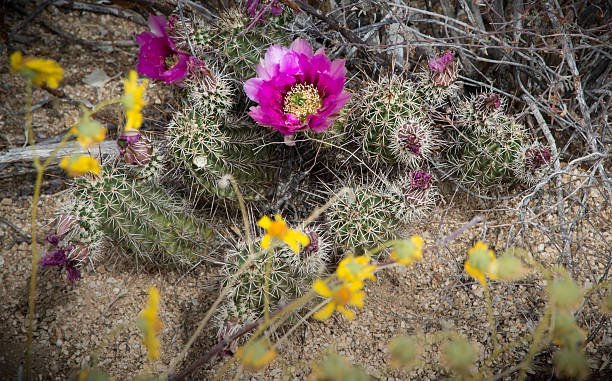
320, 287
325, 312
346, 312
265, 241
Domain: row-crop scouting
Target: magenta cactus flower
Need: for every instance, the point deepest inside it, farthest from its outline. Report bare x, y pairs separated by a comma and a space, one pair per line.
159, 57
297, 89
443, 69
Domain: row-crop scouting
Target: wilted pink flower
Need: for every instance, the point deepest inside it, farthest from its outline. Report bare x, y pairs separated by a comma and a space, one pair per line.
443, 70
296, 89
536, 157
134, 148
159, 58
59, 259
420, 179
274, 8
486, 103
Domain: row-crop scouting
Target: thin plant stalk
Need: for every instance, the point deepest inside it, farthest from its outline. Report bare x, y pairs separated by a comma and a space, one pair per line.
40, 170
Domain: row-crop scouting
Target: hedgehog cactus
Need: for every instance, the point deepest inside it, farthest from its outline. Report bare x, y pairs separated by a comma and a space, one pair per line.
279, 275
230, 43
389, 110
207, 149
138, 216
486, 143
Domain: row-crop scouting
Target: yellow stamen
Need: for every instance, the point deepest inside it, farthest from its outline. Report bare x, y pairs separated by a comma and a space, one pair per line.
302, 100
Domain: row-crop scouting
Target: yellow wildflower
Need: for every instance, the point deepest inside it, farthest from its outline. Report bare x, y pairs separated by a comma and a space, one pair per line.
89, 132
408, 250
480, 259
354, 270
37, 70
79, 165
279, 230
340, 297
150, 324
133, 102
256, 355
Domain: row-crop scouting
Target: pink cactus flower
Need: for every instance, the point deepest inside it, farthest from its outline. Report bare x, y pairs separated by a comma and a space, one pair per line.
159, 57
297, 89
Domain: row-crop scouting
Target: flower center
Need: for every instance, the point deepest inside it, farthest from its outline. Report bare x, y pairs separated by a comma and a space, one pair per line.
342, 296
302, 100
278, 228
171, 61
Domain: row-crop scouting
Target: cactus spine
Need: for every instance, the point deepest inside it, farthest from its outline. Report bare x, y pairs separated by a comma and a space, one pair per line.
371, 215
485, 143
135, 214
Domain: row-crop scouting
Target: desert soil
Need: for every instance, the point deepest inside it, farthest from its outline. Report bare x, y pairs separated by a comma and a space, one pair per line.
432, 295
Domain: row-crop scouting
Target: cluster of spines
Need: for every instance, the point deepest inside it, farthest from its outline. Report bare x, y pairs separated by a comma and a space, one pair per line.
370, 215
233, 46
140, 217
208, 147
279, 275
488, 149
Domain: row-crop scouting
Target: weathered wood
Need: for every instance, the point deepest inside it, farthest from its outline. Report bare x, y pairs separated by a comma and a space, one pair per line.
44, 151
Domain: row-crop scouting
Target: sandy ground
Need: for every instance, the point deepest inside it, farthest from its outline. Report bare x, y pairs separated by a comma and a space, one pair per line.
433, 295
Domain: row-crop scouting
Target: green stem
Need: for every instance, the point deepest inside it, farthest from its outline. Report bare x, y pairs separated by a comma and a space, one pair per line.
535, 345
490, 314
40, 169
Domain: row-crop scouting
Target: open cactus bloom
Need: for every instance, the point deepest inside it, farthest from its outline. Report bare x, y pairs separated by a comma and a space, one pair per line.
159, 58
297, 89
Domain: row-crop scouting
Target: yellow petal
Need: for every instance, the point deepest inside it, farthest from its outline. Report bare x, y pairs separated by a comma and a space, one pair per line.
264, 222
474, 272
290, 240
16, 62
346, 312
320, 287
302, 238
325, 312
357, 299
265, 241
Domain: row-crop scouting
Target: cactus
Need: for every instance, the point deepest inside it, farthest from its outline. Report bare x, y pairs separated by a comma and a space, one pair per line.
230, 44
207, 148
486, 143
533, 161
391, 123
133, 213
371, 214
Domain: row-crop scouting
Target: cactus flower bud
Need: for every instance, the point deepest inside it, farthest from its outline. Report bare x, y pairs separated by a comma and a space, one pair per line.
134, 148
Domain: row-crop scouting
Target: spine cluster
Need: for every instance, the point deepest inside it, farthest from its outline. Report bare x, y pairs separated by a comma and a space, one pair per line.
143, 219
488, 149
